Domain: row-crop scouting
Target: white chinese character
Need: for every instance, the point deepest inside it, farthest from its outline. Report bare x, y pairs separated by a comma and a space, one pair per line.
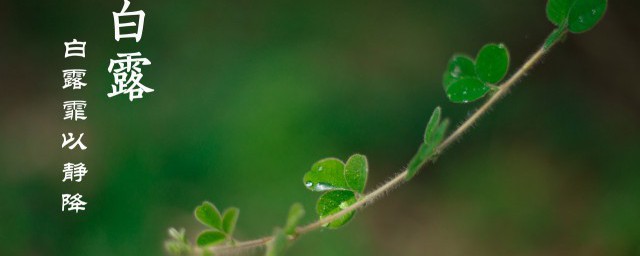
127, 76
74, 48
66, 141
117, 25
73, 77
72, 171
73, 203
74, 110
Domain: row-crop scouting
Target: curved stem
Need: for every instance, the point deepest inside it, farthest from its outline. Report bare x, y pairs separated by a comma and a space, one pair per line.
399, 178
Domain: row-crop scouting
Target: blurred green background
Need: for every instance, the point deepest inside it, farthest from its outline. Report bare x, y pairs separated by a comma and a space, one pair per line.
249, 94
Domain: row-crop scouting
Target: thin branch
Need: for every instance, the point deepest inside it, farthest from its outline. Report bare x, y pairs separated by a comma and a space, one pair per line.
399, 178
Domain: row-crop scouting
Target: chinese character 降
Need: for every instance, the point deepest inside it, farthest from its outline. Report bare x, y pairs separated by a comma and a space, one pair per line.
74, 172
123, 13
73, 77
74, 110
73, 203
127, 76
66, 141
74, 48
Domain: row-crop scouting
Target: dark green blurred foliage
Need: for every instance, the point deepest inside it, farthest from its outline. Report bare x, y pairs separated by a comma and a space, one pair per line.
250, 94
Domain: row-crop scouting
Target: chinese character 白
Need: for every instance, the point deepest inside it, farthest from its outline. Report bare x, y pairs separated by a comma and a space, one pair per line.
74, 110
74, 48
118, 25
74, 172
73, 78
73, 202
78, 142
127, 76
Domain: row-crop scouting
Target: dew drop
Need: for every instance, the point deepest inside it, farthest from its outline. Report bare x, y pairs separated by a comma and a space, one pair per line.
322, 186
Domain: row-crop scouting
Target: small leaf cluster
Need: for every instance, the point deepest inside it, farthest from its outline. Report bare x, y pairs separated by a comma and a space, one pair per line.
177, 244
467, 80
220, 227
342, 184
279, 242
433, 136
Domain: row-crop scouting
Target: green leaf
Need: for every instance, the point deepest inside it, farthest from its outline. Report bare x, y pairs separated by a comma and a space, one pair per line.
466, 90
326, 174
177, 235
579, 15
432, 138
586, 14
459, 66
296, 212
558, 10
439, 134
492, 63
210, 237
175, 247
356, 172
178, 244
427, 150
209, 215
278, 244
229, 220
334, 201
434, 121
418, 160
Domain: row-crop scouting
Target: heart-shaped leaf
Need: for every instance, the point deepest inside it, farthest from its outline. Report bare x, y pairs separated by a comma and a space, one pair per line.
278, 244
208, 214
459, 66
210, 237
578, 15
296, 212
229, 219
334, 201
356, 171
326, 174
492, 63
466, 90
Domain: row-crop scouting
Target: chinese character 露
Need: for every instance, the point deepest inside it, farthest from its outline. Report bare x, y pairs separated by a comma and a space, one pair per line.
74, 110
127, 76
123, 14
78, 142
74, 48
73, 203
73, 78
74, 172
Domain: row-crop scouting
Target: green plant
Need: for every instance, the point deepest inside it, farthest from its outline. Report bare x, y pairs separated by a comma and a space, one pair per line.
343, 183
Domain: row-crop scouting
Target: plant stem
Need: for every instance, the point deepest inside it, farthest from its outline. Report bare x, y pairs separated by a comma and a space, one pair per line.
399, 178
